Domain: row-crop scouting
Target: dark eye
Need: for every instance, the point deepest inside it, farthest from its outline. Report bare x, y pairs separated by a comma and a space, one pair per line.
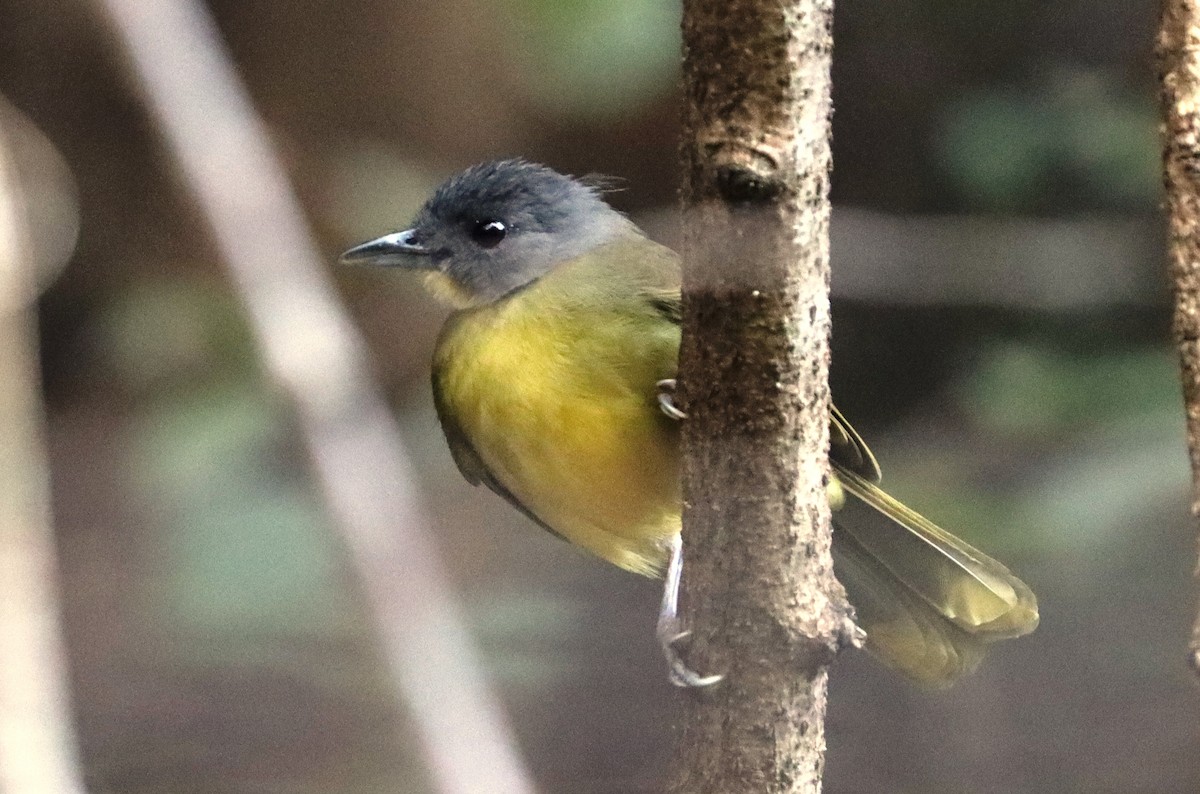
488, 234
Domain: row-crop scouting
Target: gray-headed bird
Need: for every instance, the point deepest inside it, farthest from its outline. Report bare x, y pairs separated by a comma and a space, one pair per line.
552, 383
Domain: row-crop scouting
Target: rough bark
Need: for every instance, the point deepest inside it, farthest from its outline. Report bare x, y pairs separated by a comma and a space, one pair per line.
760, 591
1179, 72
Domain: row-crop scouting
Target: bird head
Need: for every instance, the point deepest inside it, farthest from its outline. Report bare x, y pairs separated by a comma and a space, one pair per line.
495, 228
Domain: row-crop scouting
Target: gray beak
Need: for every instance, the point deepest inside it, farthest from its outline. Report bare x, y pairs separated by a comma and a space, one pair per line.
391, 250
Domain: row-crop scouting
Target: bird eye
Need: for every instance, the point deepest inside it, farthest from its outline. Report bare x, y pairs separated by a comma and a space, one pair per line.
489, 233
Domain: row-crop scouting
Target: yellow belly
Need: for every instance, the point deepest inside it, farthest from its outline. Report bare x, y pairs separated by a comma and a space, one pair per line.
563, 414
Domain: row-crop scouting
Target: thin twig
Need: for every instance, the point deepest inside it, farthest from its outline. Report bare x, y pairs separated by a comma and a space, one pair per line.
37, 741
1179, 71
311, 349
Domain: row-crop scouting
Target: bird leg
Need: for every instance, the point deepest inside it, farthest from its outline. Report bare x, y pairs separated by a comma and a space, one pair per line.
670, 632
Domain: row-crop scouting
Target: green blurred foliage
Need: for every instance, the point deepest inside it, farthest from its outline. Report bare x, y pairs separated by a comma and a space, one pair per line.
213, 453
1075, 135
251, 549
152, 333
592, 59
1117, 416
1089, 442
1030, 389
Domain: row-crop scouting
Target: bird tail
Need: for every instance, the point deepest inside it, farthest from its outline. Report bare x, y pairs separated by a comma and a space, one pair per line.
929, 602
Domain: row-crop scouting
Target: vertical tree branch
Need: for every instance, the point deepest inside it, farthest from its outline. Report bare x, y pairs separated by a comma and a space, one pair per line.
313, 352
764, 603
37, 741
1179, 73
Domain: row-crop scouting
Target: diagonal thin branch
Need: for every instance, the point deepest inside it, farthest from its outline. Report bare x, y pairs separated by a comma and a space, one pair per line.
311, 349
37, 741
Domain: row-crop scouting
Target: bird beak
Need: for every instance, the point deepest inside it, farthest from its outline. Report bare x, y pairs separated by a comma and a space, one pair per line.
391, 250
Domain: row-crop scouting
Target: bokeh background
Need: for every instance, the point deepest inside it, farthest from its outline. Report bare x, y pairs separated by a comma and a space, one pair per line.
1000, 334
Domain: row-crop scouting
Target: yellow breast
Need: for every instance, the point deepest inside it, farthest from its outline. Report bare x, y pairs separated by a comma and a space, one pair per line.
559, 402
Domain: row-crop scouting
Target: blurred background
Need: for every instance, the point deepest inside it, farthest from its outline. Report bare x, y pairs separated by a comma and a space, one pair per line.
1000, 335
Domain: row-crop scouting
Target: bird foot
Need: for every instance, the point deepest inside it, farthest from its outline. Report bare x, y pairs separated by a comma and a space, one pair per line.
666, 399
678, 672
669, 630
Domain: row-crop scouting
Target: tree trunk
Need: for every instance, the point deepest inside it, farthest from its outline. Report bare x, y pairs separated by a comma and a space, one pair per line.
760, 591
1179, 72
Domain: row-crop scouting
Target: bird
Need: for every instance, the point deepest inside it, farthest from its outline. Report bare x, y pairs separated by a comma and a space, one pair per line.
552, 380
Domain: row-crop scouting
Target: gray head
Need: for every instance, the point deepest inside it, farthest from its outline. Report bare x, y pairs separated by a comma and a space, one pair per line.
497, 227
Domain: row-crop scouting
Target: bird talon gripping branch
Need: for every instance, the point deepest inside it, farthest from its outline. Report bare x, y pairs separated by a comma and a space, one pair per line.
666, 399
678, 673
670, 631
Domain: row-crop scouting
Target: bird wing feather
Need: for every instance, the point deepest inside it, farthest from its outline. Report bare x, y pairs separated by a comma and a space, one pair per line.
972, 590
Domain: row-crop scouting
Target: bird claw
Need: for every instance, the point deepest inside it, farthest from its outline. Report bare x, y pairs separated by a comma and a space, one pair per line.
678, 672
666, 399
